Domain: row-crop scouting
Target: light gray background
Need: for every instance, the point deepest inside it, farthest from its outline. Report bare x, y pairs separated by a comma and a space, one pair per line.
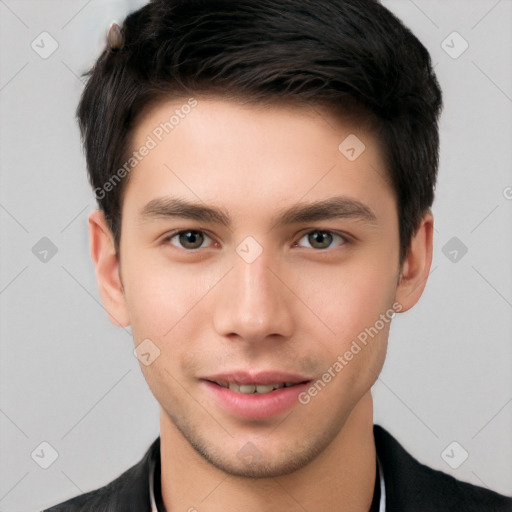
68, 377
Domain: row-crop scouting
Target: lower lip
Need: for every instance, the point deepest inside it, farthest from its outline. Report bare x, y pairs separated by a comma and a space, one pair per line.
254, 405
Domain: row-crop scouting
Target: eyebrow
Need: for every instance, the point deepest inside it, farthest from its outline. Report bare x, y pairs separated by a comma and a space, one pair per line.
338, 207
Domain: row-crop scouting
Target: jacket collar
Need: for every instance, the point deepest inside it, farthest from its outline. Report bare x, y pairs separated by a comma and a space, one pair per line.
409, 485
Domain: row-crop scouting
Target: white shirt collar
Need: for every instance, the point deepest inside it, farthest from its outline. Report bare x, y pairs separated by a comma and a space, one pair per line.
152, 487
382, 505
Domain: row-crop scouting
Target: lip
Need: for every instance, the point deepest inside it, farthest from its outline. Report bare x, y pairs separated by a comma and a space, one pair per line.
256, 406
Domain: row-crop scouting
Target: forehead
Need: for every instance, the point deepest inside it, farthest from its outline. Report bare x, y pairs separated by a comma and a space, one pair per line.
253, 157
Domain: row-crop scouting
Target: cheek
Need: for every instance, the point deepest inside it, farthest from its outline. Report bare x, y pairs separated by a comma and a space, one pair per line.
160, 297
349, 298
360, 315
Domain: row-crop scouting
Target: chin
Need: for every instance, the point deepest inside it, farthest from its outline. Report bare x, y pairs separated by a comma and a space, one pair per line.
249, 461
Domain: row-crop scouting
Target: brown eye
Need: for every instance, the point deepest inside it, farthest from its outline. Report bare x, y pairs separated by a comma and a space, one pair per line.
320, 239
189, 239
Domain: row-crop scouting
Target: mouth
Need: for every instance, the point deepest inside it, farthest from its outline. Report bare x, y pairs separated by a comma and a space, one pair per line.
256, 395
256, 388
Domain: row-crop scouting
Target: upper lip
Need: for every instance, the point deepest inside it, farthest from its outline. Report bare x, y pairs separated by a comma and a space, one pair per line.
261, 377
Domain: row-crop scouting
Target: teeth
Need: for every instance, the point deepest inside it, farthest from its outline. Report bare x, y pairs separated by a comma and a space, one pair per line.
248, 389
263, 388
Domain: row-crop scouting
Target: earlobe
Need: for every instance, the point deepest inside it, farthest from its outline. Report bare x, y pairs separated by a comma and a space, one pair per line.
416, 266
106, 263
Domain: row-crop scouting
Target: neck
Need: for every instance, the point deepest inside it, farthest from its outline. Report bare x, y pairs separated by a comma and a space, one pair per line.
341, 477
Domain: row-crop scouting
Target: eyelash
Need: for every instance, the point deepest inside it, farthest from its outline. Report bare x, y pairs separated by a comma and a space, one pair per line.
344, 238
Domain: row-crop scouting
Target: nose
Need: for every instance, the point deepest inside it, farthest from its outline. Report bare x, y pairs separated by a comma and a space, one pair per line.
254, 302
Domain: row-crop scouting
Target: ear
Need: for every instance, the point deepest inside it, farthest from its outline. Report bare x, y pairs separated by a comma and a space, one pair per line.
416, 266
106, 263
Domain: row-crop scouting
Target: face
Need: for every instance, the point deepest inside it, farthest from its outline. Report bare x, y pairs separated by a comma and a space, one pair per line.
259, 266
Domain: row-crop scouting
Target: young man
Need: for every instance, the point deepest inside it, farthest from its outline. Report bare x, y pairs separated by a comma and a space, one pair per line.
265, 172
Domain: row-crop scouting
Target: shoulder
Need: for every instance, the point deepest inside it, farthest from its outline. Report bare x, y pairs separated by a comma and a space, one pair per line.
128, 492
412, 484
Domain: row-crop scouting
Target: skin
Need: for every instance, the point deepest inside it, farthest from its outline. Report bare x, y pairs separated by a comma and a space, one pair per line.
295, 308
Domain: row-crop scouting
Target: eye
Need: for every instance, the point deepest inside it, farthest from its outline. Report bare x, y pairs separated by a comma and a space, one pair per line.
188, 239
192, 239
322, 239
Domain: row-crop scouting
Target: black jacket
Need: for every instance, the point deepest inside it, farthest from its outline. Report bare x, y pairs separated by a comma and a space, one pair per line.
410, 486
